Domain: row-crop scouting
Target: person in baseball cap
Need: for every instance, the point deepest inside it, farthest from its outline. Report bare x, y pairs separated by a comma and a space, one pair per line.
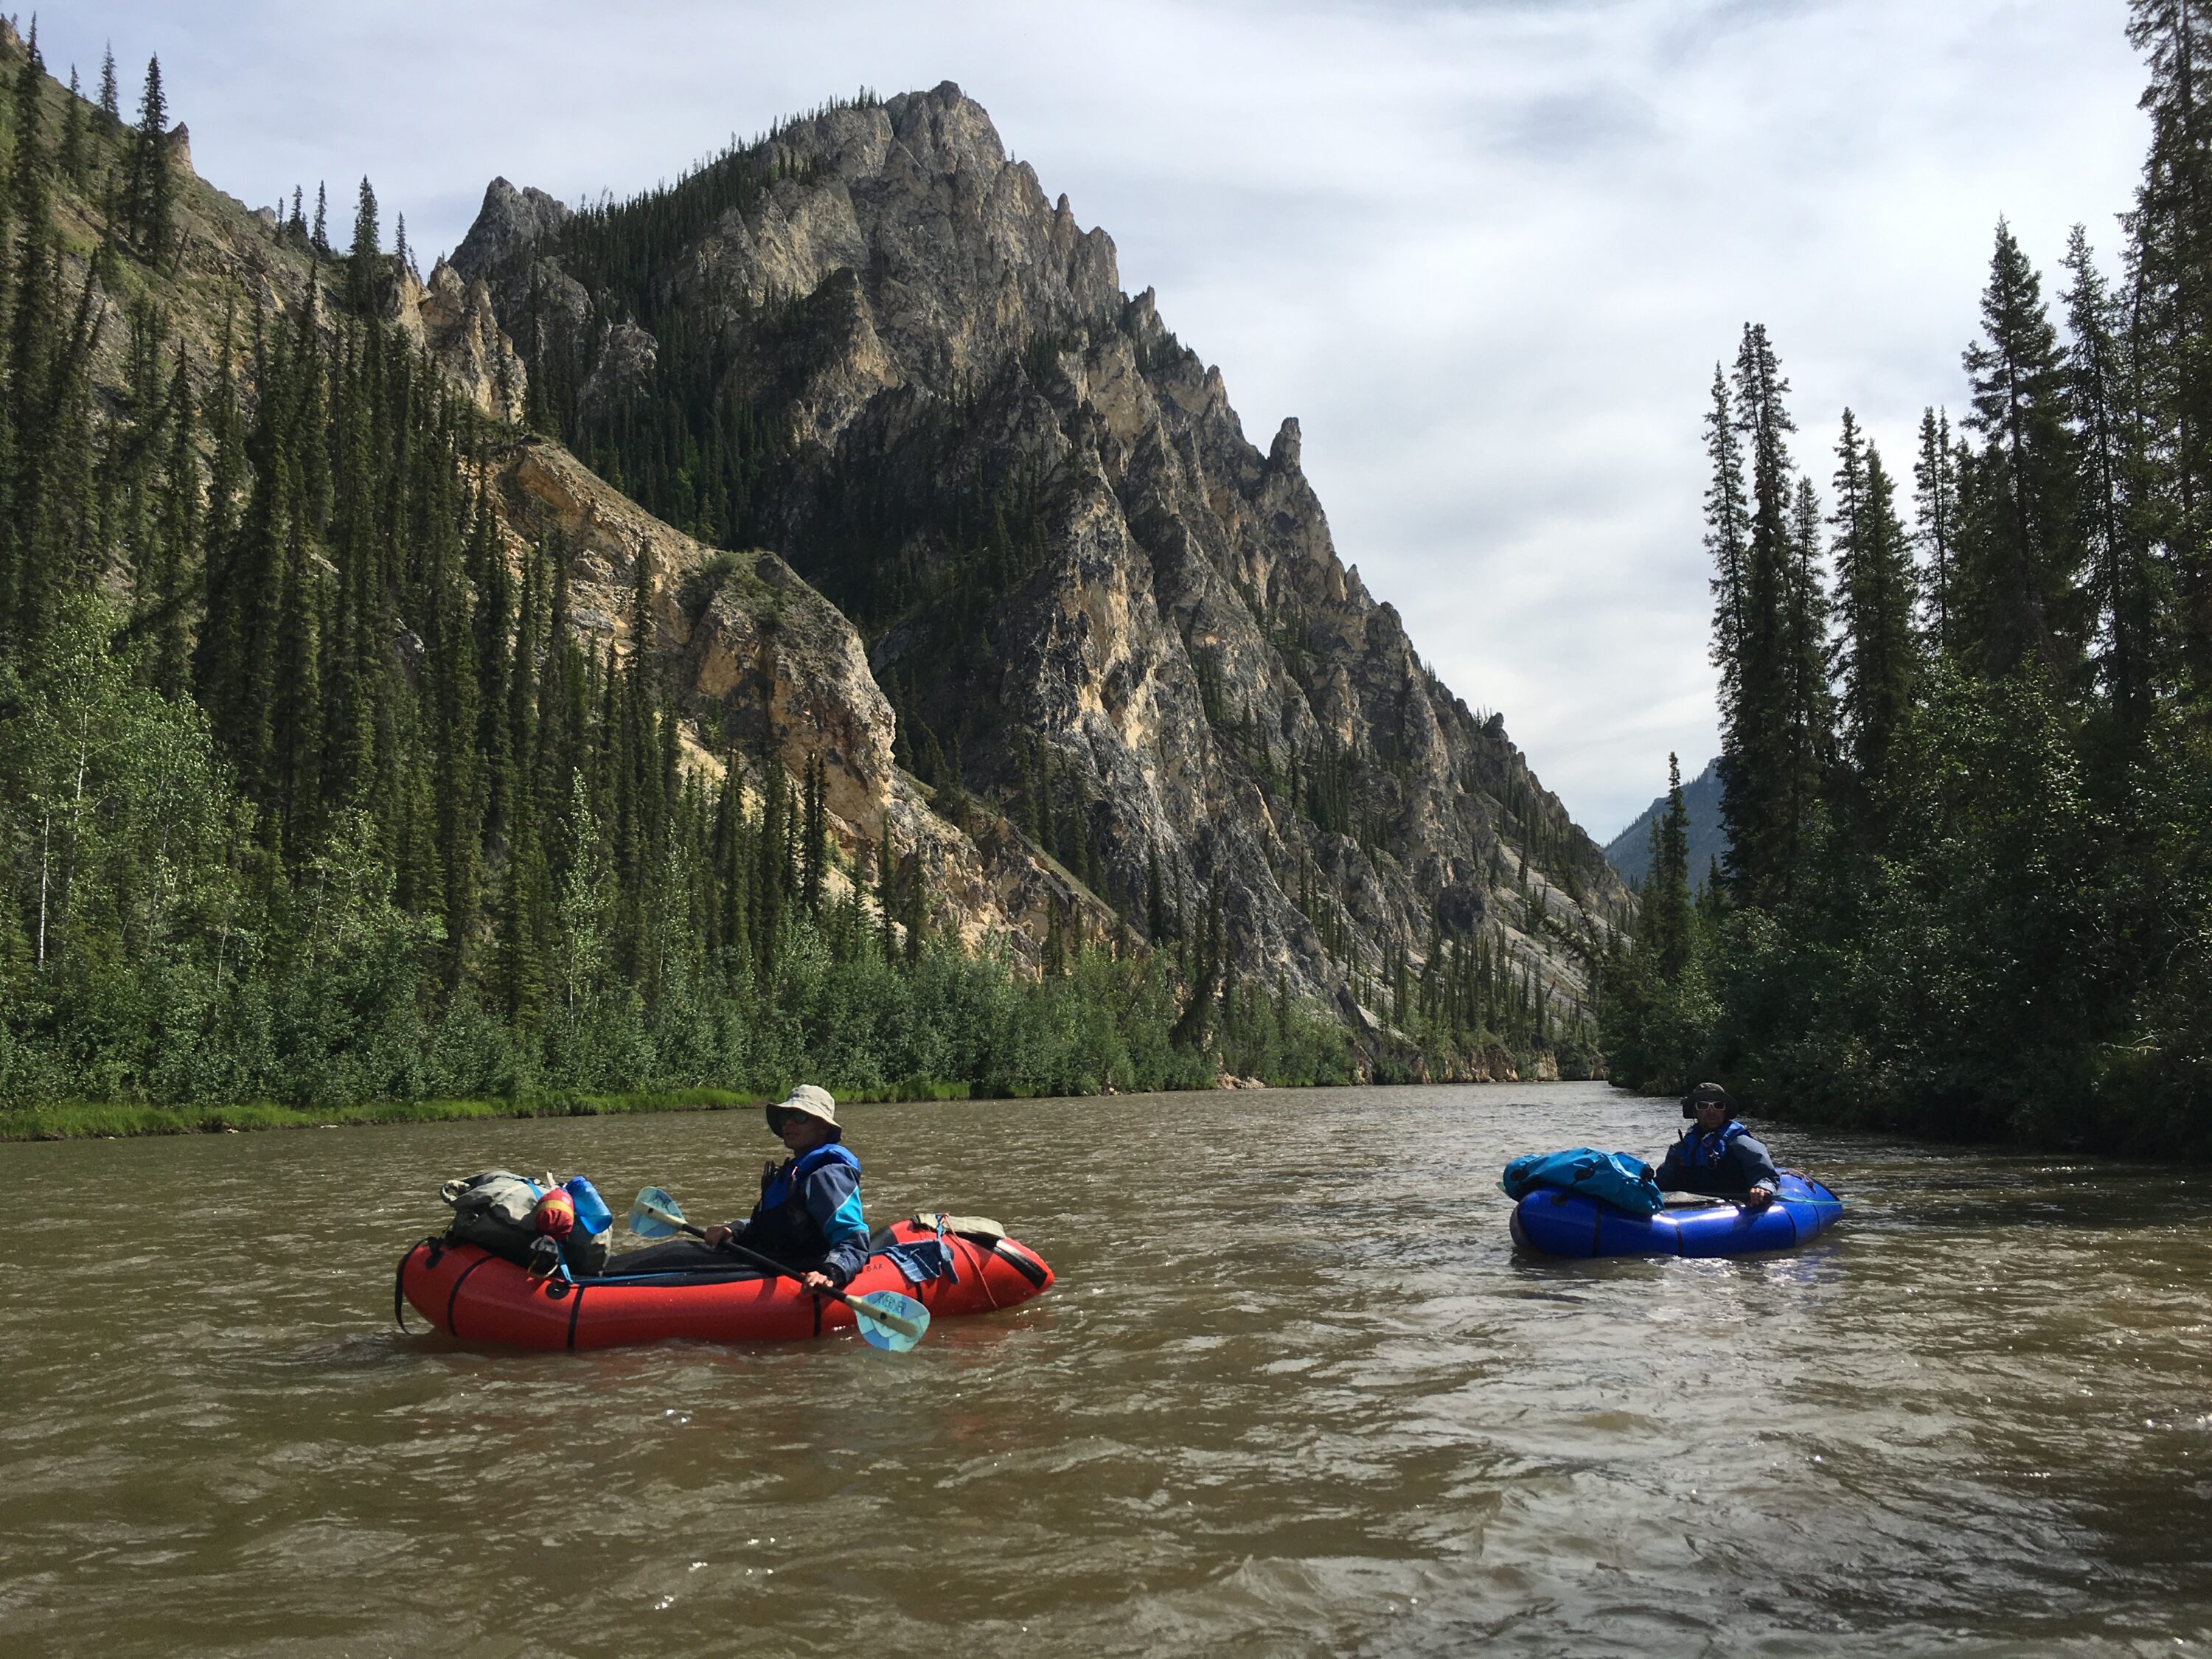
808, 1215
1717, 1156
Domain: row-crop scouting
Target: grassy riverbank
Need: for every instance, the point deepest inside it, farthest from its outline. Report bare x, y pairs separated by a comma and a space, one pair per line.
82, 1120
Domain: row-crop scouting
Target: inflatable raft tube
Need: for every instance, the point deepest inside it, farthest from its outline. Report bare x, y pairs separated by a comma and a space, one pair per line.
470, 1293
1560, 1222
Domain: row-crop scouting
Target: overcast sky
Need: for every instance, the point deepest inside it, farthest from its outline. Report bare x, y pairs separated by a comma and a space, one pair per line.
1488, 253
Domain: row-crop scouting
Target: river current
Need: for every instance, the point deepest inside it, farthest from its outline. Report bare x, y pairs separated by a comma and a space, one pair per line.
1295, 1392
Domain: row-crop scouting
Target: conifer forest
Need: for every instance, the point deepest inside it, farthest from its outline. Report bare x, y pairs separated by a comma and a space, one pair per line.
313, 790
309, 792
1967, 709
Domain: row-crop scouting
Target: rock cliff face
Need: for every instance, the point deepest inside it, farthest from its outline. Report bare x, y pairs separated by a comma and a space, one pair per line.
452, 318
1098, 609
771, 673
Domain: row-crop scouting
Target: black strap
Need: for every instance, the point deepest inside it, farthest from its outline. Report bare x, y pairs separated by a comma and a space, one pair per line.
1007, 1250
399, 1283
461, 1278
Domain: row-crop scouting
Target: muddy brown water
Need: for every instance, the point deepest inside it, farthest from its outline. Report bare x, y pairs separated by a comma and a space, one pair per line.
1295, 1393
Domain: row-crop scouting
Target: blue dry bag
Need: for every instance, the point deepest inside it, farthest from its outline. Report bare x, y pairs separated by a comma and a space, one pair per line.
592, 1212
1614, 1178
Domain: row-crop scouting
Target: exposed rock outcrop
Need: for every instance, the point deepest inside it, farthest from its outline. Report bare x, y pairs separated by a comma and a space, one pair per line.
452, 319
773, 674
460, 328
509, 220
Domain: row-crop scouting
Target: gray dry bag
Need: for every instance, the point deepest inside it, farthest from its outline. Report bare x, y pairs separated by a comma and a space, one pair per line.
493, 1209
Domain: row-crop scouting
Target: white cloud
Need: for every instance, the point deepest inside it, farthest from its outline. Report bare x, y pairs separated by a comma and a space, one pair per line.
1488, 253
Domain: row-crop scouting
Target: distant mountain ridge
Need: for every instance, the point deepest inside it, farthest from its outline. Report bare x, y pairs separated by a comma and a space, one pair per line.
1630, 852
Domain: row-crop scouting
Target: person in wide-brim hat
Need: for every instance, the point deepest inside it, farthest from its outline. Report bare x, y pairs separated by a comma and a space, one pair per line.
809, 1216
804, 1101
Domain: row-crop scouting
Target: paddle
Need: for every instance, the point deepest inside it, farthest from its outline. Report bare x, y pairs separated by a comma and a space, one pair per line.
887, 1320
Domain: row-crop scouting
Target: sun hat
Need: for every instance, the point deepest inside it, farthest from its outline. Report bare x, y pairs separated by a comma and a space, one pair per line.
814, 1102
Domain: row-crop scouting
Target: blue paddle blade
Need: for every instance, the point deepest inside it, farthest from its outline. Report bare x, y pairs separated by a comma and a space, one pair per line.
646, 1223
901, 1307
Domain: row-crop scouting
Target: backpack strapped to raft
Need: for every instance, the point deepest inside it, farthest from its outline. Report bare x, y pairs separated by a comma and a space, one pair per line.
1619, 1179
495, 1210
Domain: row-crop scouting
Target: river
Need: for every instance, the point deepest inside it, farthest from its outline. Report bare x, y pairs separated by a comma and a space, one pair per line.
1295, 1392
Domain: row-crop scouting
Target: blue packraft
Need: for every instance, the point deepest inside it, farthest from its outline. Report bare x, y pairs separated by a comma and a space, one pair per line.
1616, 1179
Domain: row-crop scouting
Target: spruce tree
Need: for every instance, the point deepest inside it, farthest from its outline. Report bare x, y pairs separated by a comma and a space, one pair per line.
296, 720
917, 912
216, 653
1935, 524
1762, 754
362, 257
2107, 432
359, 613
1725, 538
1808, 745
490, 584
2022, 553
519, 985
31, 558
524, 918
1874, 600
110, 93
772, 873
516, 752
451, 718
813, 836
71, 157
152, 189
563, 704
177, 539
886, 892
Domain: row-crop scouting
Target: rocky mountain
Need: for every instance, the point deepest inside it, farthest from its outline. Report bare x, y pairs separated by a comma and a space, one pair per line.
920, 494
1115, 638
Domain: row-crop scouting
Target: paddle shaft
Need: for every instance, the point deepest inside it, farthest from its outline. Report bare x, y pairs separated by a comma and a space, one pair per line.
770, 1265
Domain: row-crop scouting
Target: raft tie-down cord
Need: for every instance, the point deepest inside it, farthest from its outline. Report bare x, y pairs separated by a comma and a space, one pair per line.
399, 1283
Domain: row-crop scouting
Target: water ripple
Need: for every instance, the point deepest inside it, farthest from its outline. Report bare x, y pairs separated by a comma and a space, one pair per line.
1296, 1394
